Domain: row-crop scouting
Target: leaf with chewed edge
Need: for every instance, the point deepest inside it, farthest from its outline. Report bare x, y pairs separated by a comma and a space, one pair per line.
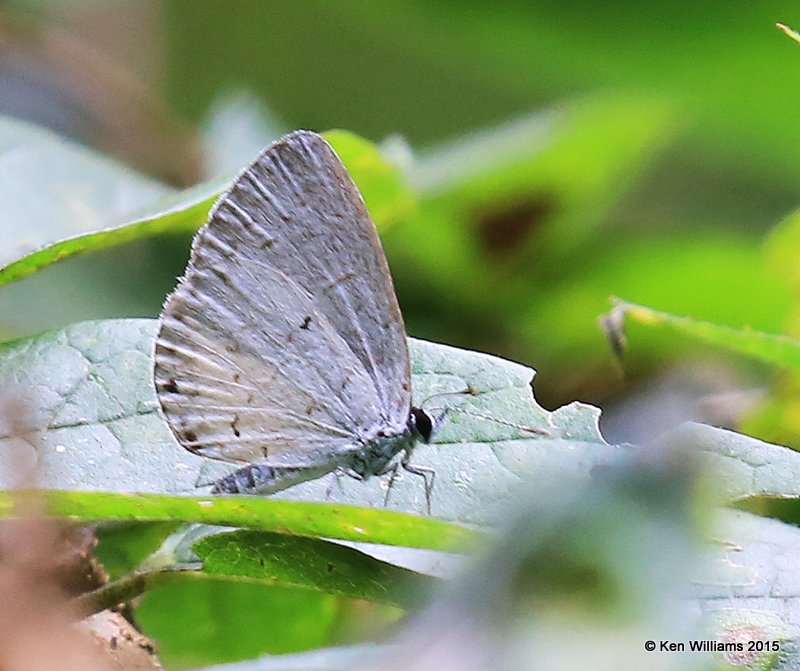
96, 204
93, 425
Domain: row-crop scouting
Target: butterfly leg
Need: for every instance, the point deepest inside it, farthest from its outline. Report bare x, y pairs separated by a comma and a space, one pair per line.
427, 474
393, 470
338, 473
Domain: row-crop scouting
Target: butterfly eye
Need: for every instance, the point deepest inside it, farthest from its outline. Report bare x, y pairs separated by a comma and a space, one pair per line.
421, 423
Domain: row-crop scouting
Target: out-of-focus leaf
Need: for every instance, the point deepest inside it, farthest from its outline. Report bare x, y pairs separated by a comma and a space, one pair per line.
384, 187
770, 348
236, 129
566, 585
309, 563
123, 546
777, 417
175, 214
62, 199
86, 182
510, 203
204, 621
748, 590
743, 466
559, 322
96, 427
546, 50
742, 592
52, 188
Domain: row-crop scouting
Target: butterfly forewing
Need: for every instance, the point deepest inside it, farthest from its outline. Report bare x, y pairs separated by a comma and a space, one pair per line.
284, 341
307, 192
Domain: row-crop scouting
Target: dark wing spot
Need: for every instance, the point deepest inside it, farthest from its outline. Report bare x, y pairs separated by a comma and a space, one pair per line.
330, 567
170, 385
236, 377
503, 229
222, 275
189, 436
306, 323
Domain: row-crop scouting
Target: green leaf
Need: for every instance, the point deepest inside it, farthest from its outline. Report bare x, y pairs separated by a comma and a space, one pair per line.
747, 590
742, 466
301, 518
769, 348
185, 212
123, 546
202, 621
93, 204
535, 188
53, 189
696, 274
94, 425
309, 563
385, 190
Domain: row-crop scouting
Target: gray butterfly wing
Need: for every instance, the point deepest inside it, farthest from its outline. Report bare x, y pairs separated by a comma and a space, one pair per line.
284, 342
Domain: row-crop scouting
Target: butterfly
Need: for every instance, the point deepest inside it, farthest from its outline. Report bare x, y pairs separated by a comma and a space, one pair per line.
283, 347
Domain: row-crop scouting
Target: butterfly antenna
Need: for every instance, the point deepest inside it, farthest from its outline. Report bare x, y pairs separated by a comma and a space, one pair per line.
473, 391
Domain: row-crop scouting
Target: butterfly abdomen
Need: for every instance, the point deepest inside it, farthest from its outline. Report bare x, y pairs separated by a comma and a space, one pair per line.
264, 479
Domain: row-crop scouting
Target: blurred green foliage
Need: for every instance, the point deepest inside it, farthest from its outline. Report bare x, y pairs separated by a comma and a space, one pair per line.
667, 148
541, 157
662, 181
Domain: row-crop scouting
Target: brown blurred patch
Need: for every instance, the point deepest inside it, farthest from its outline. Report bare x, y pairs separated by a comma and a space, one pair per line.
119, 642
52, 76
44, 562
503, 229
36, 617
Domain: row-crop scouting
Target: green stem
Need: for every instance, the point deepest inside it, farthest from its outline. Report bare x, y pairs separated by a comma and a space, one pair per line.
124, 590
